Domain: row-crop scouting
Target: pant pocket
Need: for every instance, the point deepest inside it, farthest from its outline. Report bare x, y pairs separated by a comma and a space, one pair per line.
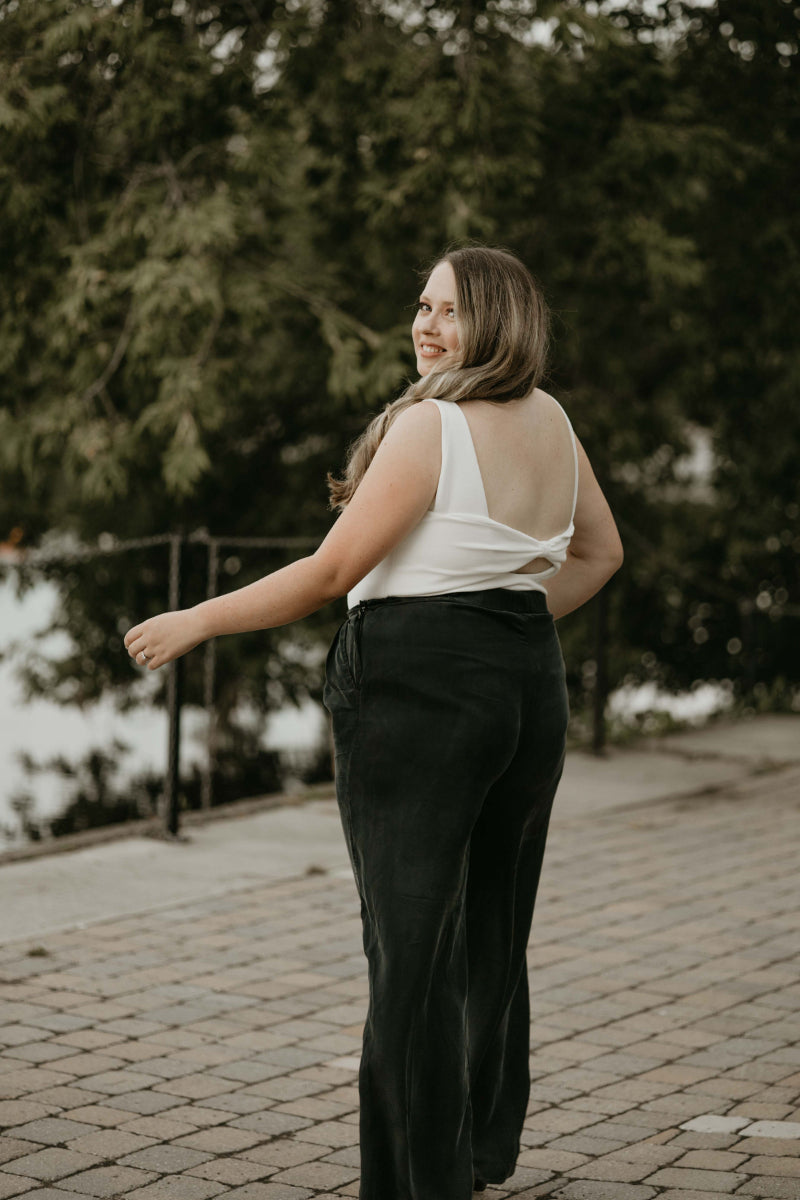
340, 686
352, 647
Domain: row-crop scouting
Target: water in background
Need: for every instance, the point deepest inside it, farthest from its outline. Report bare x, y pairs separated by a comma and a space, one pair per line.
44, 729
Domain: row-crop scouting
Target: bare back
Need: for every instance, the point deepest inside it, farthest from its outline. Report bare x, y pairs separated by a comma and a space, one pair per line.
526, 459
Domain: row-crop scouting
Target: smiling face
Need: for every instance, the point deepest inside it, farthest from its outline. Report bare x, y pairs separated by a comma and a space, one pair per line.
434, 329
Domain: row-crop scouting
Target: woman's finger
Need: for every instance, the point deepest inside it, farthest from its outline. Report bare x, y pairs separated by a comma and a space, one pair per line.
135, 651
132, 635
135, 646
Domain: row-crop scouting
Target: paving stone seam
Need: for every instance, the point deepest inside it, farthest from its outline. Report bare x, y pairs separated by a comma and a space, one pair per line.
753, 1014
256, 958
234, 890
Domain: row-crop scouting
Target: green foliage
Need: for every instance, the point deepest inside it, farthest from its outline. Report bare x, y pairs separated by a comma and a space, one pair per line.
212, 221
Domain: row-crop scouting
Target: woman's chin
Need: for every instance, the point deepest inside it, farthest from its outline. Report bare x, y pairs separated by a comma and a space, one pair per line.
426, 365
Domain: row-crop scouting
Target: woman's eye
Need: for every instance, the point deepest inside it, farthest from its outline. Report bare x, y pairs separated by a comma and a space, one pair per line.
424, 306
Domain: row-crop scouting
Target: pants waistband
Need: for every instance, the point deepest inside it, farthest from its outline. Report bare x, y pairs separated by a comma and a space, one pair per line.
499, 599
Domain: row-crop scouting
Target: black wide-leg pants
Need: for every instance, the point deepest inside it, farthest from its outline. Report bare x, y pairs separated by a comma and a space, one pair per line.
449, 723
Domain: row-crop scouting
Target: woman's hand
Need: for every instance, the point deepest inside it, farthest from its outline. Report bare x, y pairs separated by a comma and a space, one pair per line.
167, 636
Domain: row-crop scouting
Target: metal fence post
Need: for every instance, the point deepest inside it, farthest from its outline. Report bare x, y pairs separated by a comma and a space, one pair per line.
601, 675
749, 660
174, 697
209, 667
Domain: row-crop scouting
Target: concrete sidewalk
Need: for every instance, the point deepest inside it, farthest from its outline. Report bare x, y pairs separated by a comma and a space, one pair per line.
138, 874
183, 1021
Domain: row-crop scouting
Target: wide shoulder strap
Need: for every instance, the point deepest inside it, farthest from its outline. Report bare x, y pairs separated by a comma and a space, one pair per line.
460, 484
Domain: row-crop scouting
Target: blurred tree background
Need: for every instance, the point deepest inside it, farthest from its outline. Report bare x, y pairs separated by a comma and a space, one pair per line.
213, 217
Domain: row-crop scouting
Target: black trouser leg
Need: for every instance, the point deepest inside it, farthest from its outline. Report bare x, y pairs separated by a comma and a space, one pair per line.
505, 864
449, 717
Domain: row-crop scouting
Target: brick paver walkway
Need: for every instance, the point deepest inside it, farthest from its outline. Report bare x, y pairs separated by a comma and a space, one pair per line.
211, 1050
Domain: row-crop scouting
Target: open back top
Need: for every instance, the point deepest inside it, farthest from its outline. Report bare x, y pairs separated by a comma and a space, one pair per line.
457, 546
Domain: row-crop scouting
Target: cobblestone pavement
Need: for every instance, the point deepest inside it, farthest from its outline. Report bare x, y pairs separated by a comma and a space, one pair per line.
211, 1049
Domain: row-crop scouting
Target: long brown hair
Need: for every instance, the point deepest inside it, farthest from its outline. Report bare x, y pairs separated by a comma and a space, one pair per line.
503, 327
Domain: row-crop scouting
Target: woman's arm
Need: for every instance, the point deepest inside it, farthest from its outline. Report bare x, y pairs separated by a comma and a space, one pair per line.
390, 501
595, 551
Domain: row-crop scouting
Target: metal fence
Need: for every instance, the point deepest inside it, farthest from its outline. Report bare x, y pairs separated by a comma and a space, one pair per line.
177, 541
108, 545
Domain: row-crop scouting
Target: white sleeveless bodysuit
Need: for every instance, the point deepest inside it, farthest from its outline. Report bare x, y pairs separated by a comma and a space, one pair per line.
457, 547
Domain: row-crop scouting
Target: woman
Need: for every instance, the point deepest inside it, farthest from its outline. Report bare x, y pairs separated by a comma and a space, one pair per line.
446, 689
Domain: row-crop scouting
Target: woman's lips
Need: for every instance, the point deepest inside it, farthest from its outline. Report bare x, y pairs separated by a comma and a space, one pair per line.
428, 350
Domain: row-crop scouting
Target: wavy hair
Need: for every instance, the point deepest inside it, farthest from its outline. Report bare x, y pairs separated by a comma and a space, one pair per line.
503, 327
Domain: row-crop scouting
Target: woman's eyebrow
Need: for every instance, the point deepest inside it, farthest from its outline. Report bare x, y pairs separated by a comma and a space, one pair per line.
446, 303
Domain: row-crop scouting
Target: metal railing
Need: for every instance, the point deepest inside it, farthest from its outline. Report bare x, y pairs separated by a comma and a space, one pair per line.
107, 545
214, 545
177, 541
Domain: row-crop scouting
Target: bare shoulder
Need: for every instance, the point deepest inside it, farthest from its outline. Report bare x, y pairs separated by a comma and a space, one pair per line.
544, 402
417, 428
